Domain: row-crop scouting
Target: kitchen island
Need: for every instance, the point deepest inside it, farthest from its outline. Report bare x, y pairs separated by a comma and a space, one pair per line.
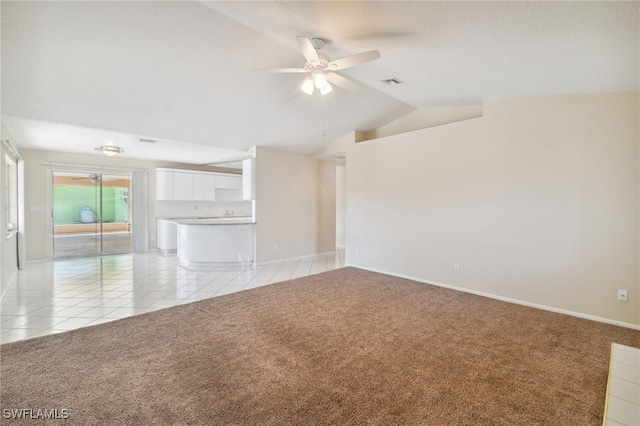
215, 241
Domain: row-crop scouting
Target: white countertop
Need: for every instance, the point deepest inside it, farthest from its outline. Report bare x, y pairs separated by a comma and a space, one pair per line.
229, 220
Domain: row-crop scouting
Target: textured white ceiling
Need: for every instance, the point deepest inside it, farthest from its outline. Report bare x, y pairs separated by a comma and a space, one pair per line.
452, 53
185, 71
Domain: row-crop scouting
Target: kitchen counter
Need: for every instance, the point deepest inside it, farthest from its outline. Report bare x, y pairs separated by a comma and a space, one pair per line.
214, 241
238, 220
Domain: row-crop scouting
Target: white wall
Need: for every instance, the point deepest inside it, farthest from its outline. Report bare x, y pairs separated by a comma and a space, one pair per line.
8, 246
538, 202
295, 205
341, 202
326, 206
422, 119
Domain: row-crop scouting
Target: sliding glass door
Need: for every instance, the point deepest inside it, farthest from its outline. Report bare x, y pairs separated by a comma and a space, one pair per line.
91, 214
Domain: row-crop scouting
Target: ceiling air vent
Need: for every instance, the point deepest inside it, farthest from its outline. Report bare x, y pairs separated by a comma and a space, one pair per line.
392, 81
147, 140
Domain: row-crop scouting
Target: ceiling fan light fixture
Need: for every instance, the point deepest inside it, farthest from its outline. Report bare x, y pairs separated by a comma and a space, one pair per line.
307, 86
319, 79
320, 67
326, 89
109, 150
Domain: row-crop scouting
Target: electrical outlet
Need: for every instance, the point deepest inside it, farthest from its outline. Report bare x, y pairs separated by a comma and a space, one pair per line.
456, 267
275, 246
622, 295
357, 250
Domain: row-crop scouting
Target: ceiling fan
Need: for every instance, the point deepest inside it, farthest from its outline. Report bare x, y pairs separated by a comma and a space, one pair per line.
321, 69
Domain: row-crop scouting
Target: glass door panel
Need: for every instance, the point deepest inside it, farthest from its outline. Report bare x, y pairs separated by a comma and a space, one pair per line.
116, 214
91, 214
76, 214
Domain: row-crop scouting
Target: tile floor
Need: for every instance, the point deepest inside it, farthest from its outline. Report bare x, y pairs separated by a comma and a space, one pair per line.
623, 389
63, 295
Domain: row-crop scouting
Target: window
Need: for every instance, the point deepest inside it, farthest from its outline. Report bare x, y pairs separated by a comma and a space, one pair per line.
11, 193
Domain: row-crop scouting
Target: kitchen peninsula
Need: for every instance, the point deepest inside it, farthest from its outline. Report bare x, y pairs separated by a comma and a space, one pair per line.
215, 241
207, 218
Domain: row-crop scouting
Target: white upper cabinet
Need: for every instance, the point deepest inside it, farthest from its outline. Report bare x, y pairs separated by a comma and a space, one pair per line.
228, 182
236, 182
182, 186
204, 187
164, 185
222, 182
186, 185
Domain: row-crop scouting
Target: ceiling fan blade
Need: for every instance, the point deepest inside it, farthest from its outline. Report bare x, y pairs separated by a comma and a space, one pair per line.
353, 60
284, 70
343, 82
308, 51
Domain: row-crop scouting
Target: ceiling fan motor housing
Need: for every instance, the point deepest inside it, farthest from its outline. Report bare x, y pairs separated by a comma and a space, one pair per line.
324, 62
318, 43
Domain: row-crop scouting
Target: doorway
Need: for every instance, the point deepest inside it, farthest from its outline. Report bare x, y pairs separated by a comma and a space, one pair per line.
91, 214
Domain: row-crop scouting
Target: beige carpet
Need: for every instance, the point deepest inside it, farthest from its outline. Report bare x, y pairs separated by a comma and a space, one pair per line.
343, 347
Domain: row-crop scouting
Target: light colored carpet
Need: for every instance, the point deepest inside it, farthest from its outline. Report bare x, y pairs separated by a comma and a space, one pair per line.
343, 347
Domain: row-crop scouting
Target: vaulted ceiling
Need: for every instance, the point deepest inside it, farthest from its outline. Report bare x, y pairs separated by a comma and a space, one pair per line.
76, 75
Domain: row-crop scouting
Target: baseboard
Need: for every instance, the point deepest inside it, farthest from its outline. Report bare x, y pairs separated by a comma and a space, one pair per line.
508, 299
294, 258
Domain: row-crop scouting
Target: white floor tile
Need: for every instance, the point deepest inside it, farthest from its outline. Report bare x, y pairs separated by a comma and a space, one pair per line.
42, 323
16, 334
164, 303
627, 356
623, 388
47, 311
70, 312
73, 323
96, 312
121, 313
116, 303
57, 296
90, 303
622, 411
17, 310
101, 321
143, 302
14, 321
626, 390
625, 372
